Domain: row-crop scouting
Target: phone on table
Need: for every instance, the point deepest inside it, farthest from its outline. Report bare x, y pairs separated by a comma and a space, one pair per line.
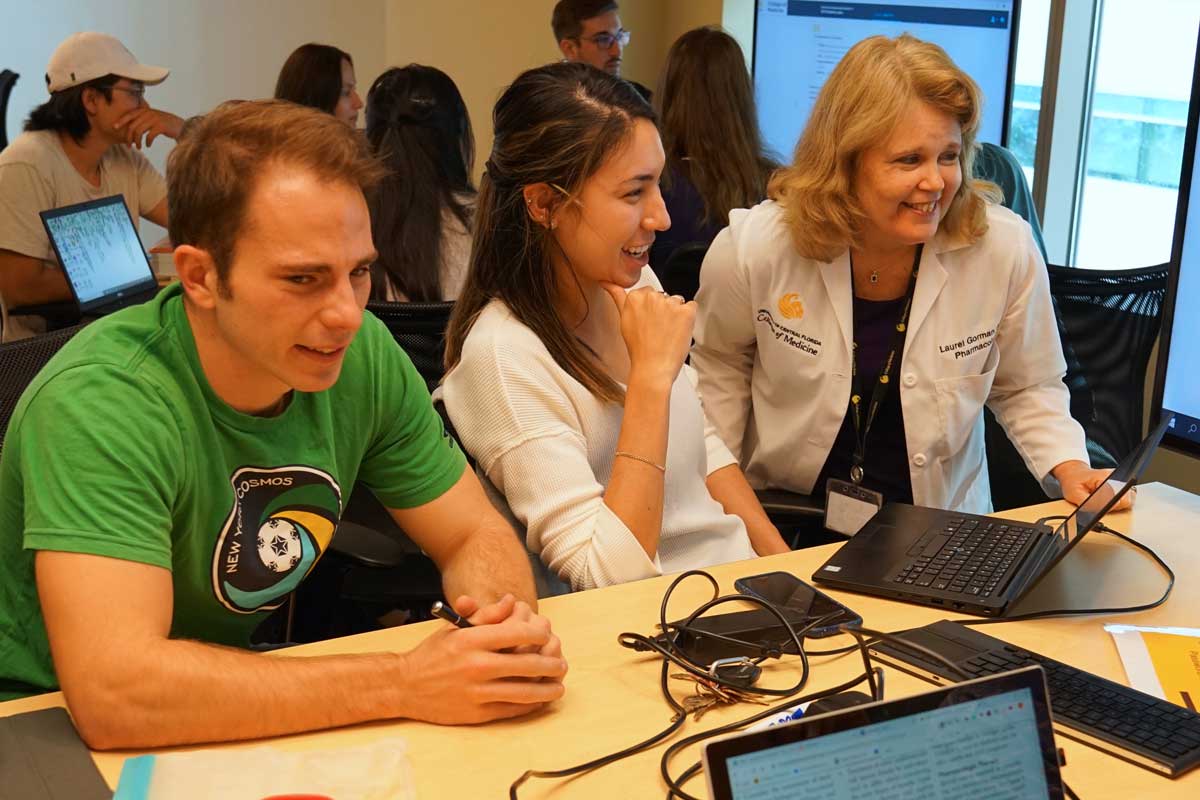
785, 591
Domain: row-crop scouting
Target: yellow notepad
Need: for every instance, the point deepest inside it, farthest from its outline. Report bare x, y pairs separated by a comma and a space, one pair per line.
1164, 662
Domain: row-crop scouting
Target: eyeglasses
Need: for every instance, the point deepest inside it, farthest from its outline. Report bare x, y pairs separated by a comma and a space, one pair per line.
138, 94
606, 40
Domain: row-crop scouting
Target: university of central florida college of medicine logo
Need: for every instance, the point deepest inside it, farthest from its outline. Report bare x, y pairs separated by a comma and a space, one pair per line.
282, 520
790, 306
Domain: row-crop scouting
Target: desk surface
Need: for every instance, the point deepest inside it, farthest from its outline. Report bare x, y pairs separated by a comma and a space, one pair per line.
613, 699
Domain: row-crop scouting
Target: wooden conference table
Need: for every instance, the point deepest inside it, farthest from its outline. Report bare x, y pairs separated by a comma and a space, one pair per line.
613, 698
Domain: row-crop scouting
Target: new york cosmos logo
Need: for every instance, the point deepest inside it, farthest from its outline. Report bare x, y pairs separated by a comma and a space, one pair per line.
281, 521
790, 306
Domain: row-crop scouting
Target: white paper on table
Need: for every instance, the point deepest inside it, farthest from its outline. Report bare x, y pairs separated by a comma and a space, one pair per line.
378, 771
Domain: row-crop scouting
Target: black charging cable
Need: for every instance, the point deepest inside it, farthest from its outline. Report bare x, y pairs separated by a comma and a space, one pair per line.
677, 721
672, 654
1075, 612
670, 651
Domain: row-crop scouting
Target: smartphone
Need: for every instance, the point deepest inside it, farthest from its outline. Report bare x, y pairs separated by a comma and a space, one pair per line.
785, 591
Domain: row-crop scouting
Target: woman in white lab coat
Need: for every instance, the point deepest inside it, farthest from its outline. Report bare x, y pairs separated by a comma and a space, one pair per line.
876, 241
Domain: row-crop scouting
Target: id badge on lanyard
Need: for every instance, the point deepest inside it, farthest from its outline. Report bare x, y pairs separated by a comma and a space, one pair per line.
849, 505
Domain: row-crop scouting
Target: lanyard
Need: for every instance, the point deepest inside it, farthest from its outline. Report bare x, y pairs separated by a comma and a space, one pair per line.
885, 377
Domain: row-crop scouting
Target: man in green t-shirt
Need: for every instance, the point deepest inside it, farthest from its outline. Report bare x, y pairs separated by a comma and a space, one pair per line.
177, 469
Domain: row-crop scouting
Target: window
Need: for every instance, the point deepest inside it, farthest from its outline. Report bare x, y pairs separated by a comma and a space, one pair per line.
1108, 178
1134, 146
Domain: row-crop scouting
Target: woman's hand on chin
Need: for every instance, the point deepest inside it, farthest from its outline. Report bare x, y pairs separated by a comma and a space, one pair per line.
657, 329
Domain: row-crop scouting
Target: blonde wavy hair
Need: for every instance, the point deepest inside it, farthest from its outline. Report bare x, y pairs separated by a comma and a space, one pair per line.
863, 101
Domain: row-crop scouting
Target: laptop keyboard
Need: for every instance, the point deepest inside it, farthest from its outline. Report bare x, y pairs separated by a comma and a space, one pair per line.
1102, 708
966, 555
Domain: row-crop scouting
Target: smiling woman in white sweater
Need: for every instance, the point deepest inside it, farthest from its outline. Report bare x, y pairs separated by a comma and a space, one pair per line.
565, 360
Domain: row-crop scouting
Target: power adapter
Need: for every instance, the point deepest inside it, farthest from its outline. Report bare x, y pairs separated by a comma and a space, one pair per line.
760, 630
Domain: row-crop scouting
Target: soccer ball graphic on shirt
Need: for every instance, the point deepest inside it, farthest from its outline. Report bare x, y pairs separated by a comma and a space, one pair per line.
280, 521
279, 545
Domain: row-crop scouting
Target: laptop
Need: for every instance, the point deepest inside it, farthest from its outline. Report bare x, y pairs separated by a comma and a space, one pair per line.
990, 737
101, 255
965, 562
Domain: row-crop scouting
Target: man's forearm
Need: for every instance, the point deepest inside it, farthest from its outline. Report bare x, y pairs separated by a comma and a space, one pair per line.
180, 692
30, 281
489, 565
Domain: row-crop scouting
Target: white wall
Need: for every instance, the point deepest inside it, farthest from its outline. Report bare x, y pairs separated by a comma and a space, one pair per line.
482, 46
216, 49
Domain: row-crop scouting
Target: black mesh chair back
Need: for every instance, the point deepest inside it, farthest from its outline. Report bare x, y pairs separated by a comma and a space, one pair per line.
8, 79
681, 273
420, 330
1108, 321
20, 362
1111, 320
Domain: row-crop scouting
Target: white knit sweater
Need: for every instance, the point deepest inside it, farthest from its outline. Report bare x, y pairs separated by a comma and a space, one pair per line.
547, 444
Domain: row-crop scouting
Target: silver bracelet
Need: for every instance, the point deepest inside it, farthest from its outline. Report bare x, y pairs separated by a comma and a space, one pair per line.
658, 467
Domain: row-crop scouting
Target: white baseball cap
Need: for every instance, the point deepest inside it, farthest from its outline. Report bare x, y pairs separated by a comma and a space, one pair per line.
83, 57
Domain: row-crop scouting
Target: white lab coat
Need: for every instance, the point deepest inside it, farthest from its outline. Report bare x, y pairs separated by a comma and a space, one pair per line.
773, 338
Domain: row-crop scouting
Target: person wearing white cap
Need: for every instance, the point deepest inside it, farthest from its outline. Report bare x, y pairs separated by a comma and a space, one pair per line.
77, 146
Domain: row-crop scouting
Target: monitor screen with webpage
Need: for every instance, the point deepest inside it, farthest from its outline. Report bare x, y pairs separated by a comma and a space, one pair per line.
797, 43
1177, 384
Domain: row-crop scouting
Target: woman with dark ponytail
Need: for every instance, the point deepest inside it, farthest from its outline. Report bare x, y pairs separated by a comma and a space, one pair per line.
565, 365
421, 213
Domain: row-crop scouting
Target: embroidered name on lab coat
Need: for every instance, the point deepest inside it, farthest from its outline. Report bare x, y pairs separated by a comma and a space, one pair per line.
784, 334
971, 344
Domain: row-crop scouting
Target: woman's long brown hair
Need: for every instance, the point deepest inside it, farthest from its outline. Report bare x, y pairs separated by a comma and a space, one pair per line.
555, 125
705, 103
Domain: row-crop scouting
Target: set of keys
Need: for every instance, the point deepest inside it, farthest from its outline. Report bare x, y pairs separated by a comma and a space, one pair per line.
709, 693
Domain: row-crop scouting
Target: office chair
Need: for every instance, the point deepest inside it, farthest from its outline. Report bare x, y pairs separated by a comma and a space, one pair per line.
20, 362
420, 330
1108, 321
799, 517
681, 273
998, 165
372, 568
1011, 483
1112, 320
8, 79
368, 534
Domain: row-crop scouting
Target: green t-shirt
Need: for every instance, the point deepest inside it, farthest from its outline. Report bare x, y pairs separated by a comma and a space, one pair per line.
120, 448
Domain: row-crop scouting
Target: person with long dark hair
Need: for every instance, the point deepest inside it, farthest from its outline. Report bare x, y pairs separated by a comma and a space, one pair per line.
565, 365
418, 125
321, 76
716, 160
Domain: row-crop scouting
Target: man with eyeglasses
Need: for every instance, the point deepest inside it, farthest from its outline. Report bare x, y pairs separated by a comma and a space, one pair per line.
79, 145
590, 31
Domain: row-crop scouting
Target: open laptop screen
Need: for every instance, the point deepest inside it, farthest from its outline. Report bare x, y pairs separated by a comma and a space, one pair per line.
978, 739
99, 250
1106, 495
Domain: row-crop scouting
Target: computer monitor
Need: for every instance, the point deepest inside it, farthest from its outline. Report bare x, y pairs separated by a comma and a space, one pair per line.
797, 43
1177, 382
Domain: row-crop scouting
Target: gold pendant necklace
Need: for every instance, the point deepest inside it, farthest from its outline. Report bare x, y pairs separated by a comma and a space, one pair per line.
874, 276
